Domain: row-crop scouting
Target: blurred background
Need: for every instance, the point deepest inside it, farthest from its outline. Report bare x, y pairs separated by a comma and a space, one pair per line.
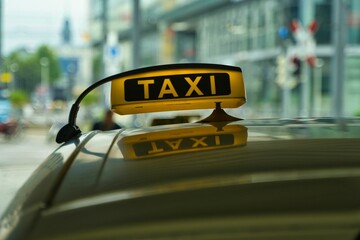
300, 58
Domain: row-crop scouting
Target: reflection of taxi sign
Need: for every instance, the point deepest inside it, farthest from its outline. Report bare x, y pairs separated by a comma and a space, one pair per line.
182, 140
178, 87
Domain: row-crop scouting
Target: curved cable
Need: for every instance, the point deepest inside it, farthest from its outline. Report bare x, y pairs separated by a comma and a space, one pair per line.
71, 130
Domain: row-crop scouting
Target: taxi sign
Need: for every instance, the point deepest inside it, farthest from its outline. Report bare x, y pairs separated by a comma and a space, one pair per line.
183, 140
177, 87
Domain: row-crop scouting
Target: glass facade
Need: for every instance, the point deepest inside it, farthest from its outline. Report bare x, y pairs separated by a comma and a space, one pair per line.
323, 18
245, 33
150, 50
251, 25
353, 21
352, 86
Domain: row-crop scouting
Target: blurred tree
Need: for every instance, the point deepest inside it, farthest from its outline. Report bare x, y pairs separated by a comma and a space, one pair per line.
357, 114
53, 61
28, 68
26, 75
97, 67
18, 98
92, 98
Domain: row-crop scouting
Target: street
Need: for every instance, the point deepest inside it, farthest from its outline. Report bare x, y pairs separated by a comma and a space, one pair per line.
19, 158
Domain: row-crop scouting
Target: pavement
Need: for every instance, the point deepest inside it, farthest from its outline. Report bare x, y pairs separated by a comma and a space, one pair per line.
19, 158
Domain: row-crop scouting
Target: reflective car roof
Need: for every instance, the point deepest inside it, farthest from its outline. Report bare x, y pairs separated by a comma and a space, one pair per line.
100, 165
283, 167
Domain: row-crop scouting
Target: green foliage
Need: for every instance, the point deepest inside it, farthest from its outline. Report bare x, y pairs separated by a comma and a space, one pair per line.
92, 98
96, 66
18, 98
26, 67
53, 62
357, 114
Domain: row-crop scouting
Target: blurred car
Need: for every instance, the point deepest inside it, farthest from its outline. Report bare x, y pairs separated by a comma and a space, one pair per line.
219, 178
9, 127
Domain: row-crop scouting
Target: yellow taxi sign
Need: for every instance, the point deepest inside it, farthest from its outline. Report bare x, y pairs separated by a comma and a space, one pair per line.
167, 142
177, 87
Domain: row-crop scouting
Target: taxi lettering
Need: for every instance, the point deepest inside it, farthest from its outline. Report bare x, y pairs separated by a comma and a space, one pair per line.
197, 142
182, 144
168, 88
174, 144
194, 87
177, 86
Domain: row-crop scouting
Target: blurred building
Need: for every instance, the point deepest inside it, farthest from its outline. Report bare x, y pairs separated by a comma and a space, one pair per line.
75, 64
251, 34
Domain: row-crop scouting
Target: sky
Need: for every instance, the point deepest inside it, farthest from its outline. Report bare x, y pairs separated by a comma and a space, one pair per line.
30, 23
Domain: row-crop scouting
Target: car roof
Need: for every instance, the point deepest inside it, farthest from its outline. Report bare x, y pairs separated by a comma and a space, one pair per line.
297, 160
268, 147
